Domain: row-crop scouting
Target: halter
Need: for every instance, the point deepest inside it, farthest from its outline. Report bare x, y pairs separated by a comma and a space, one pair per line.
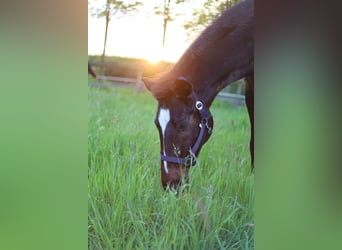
205, 116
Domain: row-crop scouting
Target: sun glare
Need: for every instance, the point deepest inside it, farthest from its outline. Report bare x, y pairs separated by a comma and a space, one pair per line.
162, 54
153, 60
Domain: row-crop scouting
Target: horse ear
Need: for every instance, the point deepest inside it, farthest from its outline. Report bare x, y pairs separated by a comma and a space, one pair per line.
181, 87
148, 83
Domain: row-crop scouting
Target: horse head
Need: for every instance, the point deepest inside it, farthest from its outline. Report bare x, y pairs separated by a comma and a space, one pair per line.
184, 125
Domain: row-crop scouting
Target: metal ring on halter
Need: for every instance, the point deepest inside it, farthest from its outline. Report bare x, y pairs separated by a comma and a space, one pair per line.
199, 105
204, 122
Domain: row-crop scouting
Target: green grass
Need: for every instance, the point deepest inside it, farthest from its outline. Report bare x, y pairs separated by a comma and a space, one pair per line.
128, 208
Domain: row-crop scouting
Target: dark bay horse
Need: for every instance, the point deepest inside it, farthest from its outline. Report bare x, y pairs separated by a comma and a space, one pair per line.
222, 54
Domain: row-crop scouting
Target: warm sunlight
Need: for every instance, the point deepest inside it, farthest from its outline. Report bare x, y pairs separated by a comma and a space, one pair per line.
139, 36
154, 56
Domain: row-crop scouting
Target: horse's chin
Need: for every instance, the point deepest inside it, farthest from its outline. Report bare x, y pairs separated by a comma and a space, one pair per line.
174, 177
174, 186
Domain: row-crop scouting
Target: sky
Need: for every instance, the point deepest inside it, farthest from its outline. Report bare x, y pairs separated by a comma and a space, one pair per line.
140, 36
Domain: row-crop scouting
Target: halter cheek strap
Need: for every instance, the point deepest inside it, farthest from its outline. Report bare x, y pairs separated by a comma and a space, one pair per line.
190, 160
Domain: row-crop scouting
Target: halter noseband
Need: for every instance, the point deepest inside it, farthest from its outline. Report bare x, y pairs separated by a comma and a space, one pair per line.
205, 116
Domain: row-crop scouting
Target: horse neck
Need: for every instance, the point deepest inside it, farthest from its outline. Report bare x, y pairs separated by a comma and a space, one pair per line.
222, 54
210, 67
207, 86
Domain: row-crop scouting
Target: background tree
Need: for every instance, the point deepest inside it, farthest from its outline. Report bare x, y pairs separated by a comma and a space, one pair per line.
202, 17
167, 12
108, 10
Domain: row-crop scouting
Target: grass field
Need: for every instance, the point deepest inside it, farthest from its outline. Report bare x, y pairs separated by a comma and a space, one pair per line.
128, 208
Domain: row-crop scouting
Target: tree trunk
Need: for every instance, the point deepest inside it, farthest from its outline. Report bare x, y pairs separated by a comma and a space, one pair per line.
102, 66
166, 18
165, 23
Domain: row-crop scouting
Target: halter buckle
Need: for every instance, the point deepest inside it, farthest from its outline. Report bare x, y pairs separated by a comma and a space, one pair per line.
199, 105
